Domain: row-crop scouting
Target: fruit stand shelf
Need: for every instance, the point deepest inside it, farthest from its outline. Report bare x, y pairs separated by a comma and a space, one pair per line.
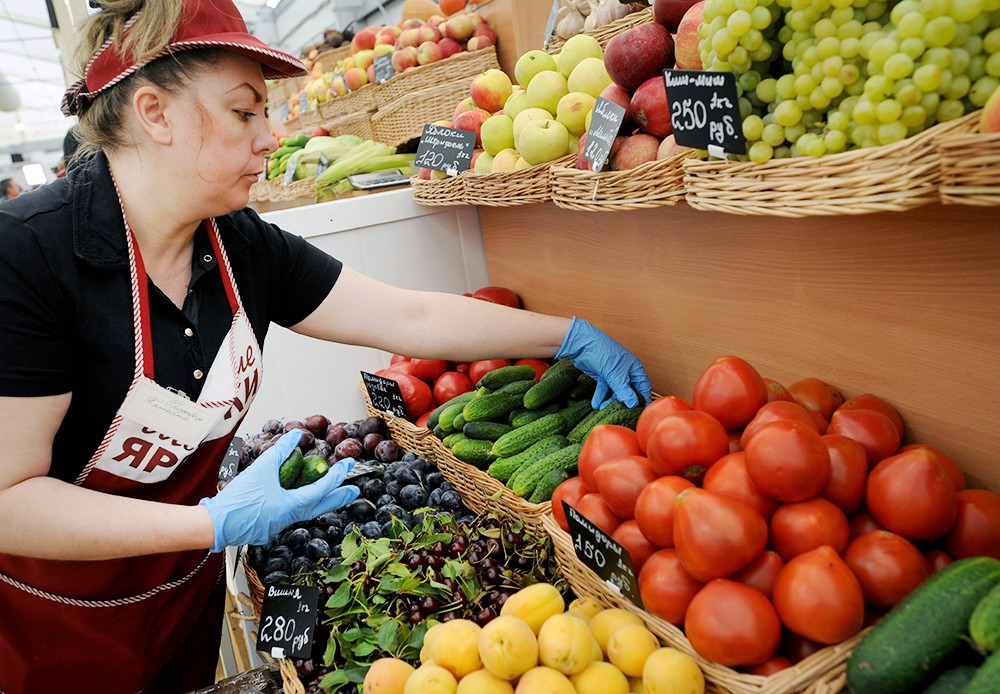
903, 304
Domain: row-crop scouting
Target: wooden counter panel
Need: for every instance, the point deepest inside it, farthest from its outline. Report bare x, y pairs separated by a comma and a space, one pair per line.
906, 306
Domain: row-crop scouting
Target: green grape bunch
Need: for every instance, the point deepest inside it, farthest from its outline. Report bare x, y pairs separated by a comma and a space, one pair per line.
826, 76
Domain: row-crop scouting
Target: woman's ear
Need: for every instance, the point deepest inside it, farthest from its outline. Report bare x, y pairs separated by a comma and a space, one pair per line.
149, 105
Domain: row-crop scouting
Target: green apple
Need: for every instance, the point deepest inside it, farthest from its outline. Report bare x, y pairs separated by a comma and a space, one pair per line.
526, 116
530, 64
576, 49
546, 89
521, 163
497, 133
517, 102
383, 49
572, 112
589, 76
543, 141
573, 147
504, 161
484, 163
587, 120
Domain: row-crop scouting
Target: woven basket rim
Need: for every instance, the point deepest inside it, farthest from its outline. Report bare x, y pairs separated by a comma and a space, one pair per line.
483, 179
608, 31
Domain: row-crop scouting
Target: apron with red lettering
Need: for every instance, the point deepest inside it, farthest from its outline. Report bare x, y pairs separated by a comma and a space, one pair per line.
120, 625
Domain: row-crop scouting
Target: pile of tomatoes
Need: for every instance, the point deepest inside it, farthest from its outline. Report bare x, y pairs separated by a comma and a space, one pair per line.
770, 522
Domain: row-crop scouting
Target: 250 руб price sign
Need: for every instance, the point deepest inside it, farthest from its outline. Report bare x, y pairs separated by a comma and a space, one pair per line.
705, 110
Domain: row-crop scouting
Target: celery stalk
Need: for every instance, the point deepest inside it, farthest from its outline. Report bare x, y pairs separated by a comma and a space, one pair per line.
392, 161
350, 163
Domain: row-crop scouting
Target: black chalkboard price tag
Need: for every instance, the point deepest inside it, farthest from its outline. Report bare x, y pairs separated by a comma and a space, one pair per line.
445, 149
385, 394
383, 69
705, 110
231, 462
604, 125
287, 621
605, 557
324, 161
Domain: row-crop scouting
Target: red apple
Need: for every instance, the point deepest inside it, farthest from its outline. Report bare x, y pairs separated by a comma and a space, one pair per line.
460, 27
486, 30
466, 104
355, 78
635, 150
319, 131
669, 148
670, 12
412, 23
444, 123
424, 174
371, 73
364, 40
633, 56
404, 59
429, 33
435, 20
623, 98
428, 52
686, 54
449, 47
475, 155
581, 162
387, 35
650, 108
473, 121
410, 37
477, 43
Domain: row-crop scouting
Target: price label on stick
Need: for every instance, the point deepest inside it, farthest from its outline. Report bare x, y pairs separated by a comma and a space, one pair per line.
340, 76
303, 102
287, 621
705, 110
385, 394
324, 161
445, 149
604, 125
231, 463
605, 557
383, 69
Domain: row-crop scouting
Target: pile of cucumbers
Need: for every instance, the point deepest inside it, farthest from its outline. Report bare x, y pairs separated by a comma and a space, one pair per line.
524, 433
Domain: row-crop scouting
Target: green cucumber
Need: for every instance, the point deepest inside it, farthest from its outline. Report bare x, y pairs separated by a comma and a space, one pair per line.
493, 407
313, 467
574, 412
543, 490
451, 439
439, 432
498, 378
918, 635
987, 676
515, 388
472, 451
584, 388
984, 624
503, 468
458, 424
522, 416
628, 418
291, 469
432, 420
523, 481
520, 439
952, 681
486, 431
447, 417
554, 384
578, 433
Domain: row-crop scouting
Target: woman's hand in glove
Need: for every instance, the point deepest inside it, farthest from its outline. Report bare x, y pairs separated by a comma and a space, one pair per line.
617, 371
254, 506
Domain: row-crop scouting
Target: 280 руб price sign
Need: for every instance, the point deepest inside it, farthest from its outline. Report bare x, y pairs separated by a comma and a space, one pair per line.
705, 110
287, 621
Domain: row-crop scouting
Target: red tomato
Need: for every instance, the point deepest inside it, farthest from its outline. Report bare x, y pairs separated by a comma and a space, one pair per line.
605, 442
863, 522
450, 384
776, 391
416, 394
732, 624
400, 367
848, 472
798, 648
976, 531
540, 366
570, 491
911, 495
776, 663
478, 369
595, 509
957, 478
806, 525
731, 391
887, 566
686, 438
777, 411
665, 587
734, 441
816, 396
422, 419
396, 358
498, 295
631, 538
873, 430
462, 367
788, 461
761, 572
653, 413
716, 535
818, 597
621, 480
821, 424
654, 509
429, 369
938, 559
729, 477
867, 401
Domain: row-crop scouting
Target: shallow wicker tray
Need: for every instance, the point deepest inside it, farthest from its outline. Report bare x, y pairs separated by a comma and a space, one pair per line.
509, 188
328, 59
404, 118
794, 679
464, 64
358, 123
653, 184
440, 192
970, 169
607, 32
362, 99
282, 90
890, 178
261, 191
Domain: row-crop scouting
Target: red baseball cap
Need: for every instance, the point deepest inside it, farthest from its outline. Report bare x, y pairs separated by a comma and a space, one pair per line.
203, 24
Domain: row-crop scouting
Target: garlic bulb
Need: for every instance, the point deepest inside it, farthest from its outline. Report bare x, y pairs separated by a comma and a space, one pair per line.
610, 10
570, 21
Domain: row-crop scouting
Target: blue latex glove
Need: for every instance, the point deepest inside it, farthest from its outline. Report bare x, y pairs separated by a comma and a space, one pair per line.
254, 506
618, 372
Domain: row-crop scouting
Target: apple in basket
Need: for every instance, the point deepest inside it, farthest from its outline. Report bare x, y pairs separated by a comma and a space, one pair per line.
428, 52
473, 121
363, 40
670, 13
387, 36
404, 59
491, 89
449, 47
686, 53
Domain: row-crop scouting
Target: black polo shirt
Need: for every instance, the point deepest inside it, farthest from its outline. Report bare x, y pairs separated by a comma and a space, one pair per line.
66, 302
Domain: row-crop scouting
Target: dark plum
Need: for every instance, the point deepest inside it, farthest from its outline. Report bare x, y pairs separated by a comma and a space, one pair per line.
407, 475
446, 487
386, 529
387, 451
372, 529
412, 496
281, 551
322, 447
297, 539
372, 425
334, 534
385, 500
393, 487
256, 557
335, 433
434, 498
317, 424
292, 424
352, 431
330, 518
275, 564
318, 548
301, 564
349, 448
434, 479
450, 500
409, 457
272, 426
307, 440
371, 442
360, 511
276, 577
317, 531
373, 489
385, 513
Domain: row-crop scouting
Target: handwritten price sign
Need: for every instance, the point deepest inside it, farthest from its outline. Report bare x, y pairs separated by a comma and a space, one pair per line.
705, 110
604, 126
445, 149
287, 621
385, 394
605, 557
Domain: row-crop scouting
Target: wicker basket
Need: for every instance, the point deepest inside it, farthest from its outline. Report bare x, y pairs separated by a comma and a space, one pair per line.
328, 59
970, 168
794, 679
465, 64
833, 682
290, 677
508, 188
308, 120
362, 99
404, 119
281, 91
261, 191
293, 124
440, 192
608, 31
409, 437
255, 586
890, 178
303, 188
653, 184
359, 124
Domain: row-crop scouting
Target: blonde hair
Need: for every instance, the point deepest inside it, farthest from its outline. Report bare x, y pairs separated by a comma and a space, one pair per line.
102, 124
